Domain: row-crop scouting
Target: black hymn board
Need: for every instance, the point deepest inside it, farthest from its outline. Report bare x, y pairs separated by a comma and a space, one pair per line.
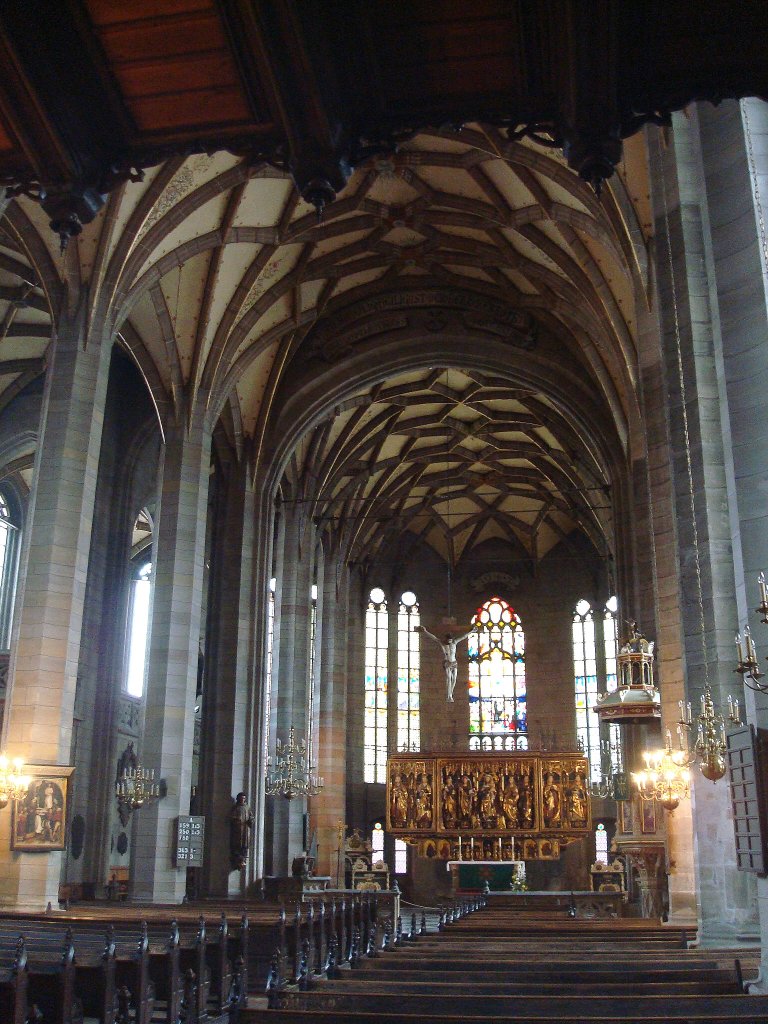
747, 763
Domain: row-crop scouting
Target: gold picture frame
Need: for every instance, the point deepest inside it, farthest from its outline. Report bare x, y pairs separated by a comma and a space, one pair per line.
39, 820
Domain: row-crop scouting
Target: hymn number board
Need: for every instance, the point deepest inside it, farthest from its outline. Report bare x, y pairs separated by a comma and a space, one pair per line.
190, 840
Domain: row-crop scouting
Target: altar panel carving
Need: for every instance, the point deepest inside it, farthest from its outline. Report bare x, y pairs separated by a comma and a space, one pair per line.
489, 805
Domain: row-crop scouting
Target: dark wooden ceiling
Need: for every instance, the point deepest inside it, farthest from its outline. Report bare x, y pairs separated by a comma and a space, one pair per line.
99, 89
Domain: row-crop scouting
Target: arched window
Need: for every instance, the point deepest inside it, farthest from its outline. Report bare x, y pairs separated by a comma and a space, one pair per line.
611, 643
601, 844
377, 843
375, 729
408, 737
138, 627
10, 533
585, 677
497, 694
268, 665
592, 677
311, 699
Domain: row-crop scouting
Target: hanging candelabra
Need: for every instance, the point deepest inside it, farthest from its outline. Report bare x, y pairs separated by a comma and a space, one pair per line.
289, 773
136, 787
747, 664
710, 745
613, 778
666, 777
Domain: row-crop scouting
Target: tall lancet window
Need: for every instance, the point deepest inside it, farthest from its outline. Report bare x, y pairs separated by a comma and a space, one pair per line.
139, 606
376, 647
408, 711
586, 689
268, 664
9, 560
611, 643
312, 662
497, 693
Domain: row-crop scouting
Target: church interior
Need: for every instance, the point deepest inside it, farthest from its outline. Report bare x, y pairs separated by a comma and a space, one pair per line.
381, 493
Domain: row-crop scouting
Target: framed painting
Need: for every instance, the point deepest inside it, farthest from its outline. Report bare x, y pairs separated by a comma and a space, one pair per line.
39, 819
648, 810
627, 817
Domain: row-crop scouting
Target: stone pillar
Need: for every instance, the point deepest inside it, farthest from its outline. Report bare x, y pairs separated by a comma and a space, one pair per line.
706, 159
330, 807
290, 696
227, 707
733, 150
173, 656
44, 660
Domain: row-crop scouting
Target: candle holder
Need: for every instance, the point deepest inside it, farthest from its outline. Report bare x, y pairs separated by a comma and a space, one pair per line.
746, 655
710, 745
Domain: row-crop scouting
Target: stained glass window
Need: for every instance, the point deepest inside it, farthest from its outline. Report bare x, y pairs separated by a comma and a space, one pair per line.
408, 673
497, 693
377, 843
375, 730
601, 844
585, 675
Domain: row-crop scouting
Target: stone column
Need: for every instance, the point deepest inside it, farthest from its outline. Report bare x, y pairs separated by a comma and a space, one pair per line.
733, 151
290, 696
227, 707
684, 174
44, 660
332, 692
173, 655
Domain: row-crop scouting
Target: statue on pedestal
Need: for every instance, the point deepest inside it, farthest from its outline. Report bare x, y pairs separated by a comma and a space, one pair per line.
240, 828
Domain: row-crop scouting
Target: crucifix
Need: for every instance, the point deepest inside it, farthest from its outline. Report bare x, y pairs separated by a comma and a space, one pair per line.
448, 647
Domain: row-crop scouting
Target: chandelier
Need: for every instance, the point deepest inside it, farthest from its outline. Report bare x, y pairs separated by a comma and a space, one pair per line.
13, 784
136, 787
710, 745
666, 776
746, 655
289, 773
613, 778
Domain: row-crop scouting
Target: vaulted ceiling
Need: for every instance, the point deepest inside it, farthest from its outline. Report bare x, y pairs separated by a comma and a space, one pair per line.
220, 280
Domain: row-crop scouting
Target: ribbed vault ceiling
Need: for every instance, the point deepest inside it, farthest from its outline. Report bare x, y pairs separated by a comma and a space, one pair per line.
453, 457
213, 273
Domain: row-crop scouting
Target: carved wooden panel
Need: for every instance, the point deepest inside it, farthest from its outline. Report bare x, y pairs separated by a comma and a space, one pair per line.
540, 799
747, 764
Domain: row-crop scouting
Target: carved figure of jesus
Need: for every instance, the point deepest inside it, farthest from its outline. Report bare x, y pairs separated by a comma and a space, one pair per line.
448, 647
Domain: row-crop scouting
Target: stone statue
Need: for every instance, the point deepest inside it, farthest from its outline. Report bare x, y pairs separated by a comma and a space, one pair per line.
448, 647
240, 828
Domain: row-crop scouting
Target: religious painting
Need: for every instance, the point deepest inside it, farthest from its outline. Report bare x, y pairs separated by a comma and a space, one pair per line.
575, 795
627, 817
39, 819
648, 816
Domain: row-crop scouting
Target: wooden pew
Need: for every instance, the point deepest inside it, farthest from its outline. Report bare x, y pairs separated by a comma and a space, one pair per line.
14, 979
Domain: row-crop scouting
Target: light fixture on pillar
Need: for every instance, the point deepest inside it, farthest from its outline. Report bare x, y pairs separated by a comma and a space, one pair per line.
746, 664
13, 782
289, 773
136, 787
666, 777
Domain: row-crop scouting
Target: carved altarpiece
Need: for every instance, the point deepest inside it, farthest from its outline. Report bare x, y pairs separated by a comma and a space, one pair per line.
525, 805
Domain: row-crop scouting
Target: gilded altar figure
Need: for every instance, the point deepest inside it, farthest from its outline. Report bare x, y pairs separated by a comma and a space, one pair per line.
577, 799
466, 801
398, 802
449, 801
423, 813
510, 794
488, 809
552, 802
525, 803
